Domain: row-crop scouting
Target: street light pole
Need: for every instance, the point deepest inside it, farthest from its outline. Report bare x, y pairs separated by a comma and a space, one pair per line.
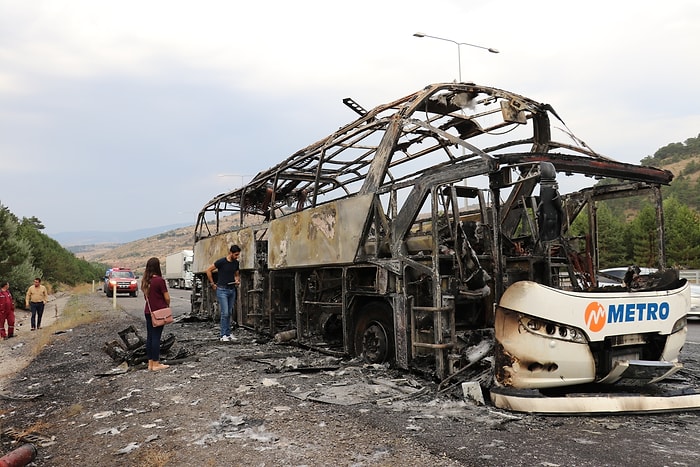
459, 50
242, 176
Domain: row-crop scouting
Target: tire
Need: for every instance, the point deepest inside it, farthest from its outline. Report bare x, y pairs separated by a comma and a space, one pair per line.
374, 333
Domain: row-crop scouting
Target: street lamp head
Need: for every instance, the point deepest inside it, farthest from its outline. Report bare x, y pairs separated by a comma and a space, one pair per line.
459, 51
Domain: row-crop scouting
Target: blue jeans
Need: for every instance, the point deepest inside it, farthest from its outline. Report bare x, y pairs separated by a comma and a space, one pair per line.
37, 309
227, 301
153, 336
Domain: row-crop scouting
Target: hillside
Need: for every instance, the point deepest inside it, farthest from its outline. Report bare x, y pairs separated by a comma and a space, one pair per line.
74, 240
135, 254
680, 168
683, 160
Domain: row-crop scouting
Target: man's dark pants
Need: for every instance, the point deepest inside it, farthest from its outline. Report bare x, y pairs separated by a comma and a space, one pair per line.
37, 309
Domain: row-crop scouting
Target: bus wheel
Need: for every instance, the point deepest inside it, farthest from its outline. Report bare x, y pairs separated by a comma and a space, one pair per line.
374, 333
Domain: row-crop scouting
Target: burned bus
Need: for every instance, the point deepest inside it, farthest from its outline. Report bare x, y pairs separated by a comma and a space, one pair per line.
437, 222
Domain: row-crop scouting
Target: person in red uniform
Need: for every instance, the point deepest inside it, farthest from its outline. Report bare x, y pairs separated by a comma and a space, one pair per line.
7, 311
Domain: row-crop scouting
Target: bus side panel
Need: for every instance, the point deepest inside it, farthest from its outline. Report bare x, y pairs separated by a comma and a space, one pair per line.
209, 249
328, 234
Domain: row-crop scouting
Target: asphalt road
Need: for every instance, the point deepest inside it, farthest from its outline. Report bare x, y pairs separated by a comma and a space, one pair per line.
179, 302
693, 331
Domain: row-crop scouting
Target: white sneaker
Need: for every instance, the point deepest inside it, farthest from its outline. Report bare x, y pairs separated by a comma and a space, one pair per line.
225, 338
231, 338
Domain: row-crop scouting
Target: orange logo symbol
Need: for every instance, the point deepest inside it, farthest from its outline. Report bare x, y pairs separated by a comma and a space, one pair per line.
595, 316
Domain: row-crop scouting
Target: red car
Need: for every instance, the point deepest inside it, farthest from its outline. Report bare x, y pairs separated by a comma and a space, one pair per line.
121, 280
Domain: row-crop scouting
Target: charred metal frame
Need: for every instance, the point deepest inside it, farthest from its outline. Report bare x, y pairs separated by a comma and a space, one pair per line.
373, 176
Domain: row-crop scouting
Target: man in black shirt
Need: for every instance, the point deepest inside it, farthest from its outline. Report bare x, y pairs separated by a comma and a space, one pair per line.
228, 277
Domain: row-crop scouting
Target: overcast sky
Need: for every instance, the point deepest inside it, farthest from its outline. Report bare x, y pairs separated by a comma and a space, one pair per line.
123, 115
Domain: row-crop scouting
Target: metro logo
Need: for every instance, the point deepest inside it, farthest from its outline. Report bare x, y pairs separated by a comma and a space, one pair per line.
596, 317
625, 313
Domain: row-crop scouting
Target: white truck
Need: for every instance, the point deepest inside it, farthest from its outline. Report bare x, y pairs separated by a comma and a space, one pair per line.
178, 269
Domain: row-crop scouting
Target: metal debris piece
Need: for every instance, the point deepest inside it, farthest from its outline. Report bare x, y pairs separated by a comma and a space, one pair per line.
404, 397
34, 438
132, 339
19, 397
285, 336
108, 431
121, 369
300, 395
131, 348
127, 449
472, 392
303, 365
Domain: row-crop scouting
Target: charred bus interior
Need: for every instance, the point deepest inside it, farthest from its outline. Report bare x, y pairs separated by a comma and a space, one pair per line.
400, 238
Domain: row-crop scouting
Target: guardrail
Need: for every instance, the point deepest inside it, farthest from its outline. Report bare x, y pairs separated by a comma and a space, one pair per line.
693, 275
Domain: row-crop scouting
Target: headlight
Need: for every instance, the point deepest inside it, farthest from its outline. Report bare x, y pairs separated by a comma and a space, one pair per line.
552, 330
680, 324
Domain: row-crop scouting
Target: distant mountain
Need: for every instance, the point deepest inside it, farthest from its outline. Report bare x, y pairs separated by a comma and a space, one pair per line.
95, 237
133, 254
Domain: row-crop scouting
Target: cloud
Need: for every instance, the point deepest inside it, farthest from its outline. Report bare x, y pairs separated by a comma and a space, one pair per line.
156, 98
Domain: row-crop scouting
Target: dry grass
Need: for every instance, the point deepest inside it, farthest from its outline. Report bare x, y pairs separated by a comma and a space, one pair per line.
74, 410
73, 315
154, 457
35, 429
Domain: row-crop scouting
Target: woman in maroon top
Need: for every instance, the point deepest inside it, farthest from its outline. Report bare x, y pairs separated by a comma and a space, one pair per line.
155, 290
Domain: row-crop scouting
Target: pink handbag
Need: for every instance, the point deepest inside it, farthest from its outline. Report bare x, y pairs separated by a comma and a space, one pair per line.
160, 317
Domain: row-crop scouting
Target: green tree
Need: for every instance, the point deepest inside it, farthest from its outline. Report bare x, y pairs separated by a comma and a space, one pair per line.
16, 259
58, 265
26, 253
644, 239
612, 250
674, 151
612, 243
682, 234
